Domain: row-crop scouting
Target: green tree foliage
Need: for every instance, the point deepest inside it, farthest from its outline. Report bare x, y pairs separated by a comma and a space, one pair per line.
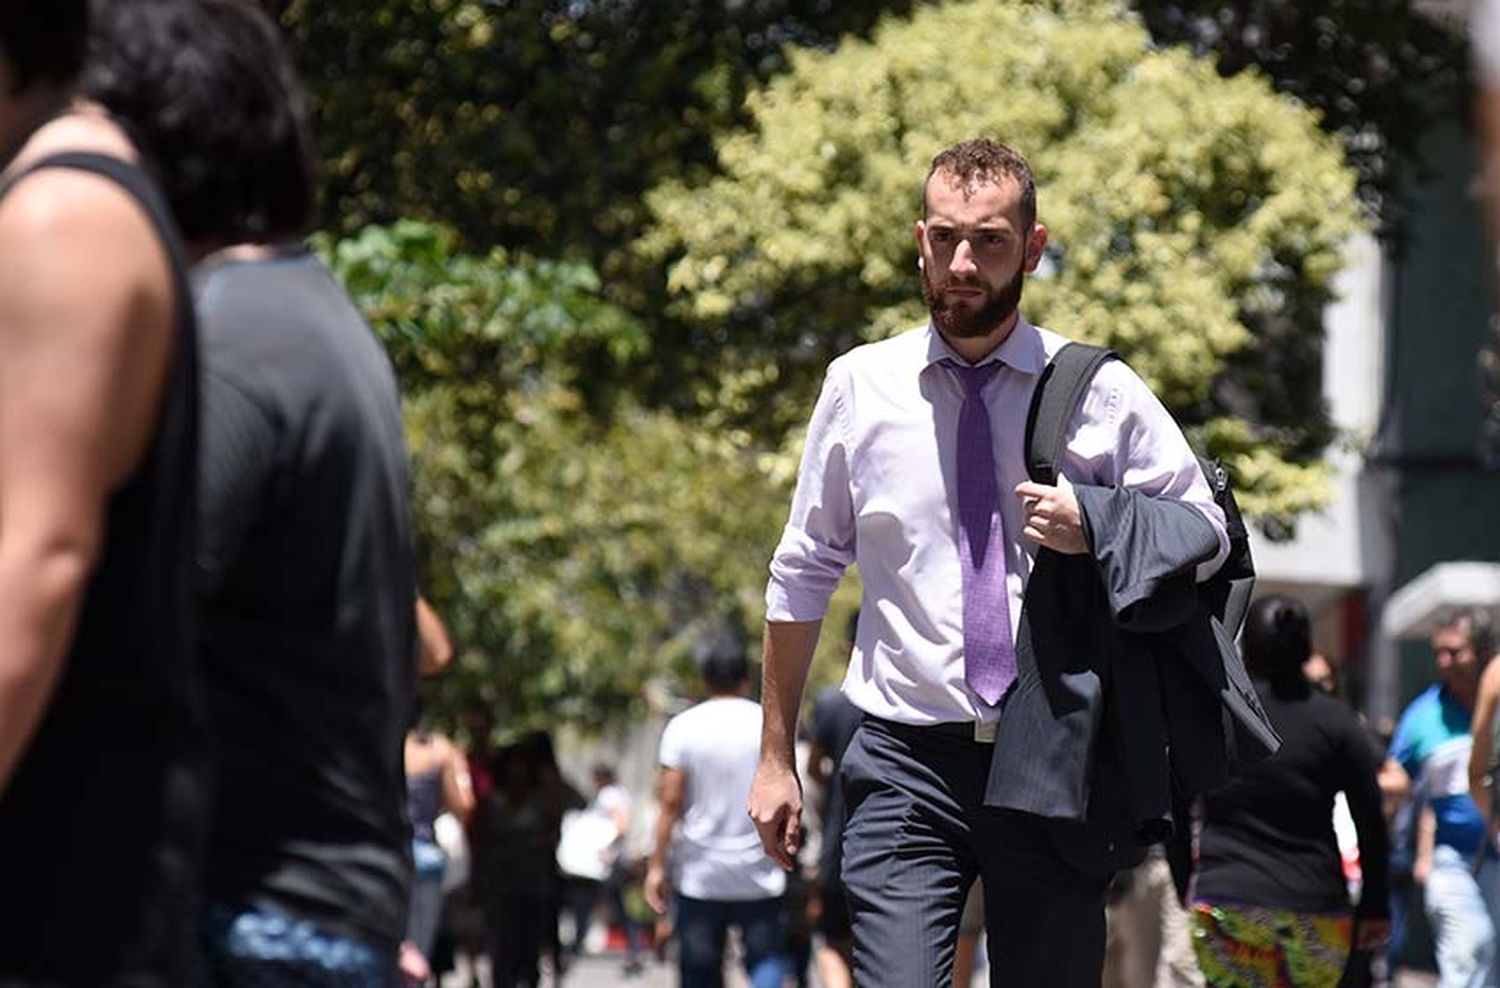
575, 552
1378, 72
1196, 220
535, 124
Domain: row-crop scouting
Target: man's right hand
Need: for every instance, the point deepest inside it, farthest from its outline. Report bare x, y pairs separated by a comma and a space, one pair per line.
776, 810
656, 888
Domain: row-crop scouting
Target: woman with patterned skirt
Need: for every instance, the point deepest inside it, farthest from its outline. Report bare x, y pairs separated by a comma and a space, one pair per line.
1271, 908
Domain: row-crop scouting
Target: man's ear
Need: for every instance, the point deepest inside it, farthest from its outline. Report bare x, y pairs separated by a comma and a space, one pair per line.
1036, 243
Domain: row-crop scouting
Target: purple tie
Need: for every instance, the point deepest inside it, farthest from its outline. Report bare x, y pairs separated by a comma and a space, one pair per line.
989, 652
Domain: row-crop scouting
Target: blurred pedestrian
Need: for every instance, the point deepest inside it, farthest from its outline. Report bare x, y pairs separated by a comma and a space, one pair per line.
305, 550
970, 930
439, 791
913, 469
558, 797
1148, 940
101, 767
612, 805
707, 856
437, 782
832, 726
517, 868
1321, 673
1271, 906
1455, 860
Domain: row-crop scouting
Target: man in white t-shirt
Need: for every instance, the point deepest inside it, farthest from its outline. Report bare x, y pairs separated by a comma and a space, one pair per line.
718, 872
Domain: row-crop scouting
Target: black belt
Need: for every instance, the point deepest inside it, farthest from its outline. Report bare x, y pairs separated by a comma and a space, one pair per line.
962, 729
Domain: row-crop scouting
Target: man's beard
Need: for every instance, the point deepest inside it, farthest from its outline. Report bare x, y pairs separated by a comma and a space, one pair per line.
968, 324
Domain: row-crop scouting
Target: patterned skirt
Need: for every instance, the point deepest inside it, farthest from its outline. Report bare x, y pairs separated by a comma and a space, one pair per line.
1254, 947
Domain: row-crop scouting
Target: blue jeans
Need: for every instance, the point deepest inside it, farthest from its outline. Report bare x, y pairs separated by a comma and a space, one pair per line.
254, 948
702, 926
426, 910
1464, 910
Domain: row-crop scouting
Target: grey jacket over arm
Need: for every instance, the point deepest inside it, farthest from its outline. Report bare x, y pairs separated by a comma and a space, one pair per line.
1123, 684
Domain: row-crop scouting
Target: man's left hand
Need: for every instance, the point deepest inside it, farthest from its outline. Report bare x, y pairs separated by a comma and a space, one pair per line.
1052, 517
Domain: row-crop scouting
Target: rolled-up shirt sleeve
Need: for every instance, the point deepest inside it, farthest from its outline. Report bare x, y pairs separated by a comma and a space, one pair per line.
1149, 453
817, 544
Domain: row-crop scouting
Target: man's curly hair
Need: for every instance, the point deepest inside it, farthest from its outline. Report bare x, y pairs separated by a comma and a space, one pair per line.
207, 91
971, 162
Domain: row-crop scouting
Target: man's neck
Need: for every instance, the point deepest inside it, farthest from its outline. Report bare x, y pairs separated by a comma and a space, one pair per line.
976, 348
1467, 694
738, 693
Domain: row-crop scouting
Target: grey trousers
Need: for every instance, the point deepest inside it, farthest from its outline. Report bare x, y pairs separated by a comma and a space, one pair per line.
917, 834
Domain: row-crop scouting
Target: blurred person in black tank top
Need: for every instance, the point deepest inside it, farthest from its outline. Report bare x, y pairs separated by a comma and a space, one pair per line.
305, 558
101, 803
437, 782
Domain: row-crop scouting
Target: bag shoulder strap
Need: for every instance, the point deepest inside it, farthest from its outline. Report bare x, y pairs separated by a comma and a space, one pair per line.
1059, 392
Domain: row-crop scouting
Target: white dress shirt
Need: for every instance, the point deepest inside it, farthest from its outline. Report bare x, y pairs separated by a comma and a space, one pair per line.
877, 487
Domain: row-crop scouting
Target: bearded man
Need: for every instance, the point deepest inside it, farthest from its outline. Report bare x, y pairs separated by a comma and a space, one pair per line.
914, 469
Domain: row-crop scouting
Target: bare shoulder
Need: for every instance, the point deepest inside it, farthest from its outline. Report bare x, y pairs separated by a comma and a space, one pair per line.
68, 203
85, 128
71, 233
1489, 680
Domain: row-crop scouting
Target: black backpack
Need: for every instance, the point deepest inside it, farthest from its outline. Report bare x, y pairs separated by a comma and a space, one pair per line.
1059, 393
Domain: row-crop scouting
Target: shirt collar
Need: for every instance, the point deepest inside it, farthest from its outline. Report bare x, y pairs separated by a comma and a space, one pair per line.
1022, 349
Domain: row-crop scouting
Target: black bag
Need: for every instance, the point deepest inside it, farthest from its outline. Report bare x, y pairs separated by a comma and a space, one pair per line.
1059, 393
1225, 596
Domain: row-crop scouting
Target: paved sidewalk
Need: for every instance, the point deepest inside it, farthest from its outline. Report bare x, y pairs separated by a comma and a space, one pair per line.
606, 970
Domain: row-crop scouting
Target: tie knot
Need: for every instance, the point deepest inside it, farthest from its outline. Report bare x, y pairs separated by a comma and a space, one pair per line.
973, 378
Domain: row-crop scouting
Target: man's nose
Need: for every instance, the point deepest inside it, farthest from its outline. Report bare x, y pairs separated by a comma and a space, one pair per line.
963, 259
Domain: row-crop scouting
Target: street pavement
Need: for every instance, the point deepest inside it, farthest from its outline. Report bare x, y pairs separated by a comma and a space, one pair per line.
606, 970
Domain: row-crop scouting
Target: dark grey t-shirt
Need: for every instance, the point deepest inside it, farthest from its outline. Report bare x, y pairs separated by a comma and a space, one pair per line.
305, 562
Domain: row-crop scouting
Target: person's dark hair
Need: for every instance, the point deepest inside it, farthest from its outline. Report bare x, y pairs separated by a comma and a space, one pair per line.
540, 749
1277, 639
208, 93
722, 661
43, 42
972, 162
515, 771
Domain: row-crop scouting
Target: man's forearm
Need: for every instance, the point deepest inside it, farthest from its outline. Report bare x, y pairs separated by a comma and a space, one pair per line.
42, 592
787, 655
666, 822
